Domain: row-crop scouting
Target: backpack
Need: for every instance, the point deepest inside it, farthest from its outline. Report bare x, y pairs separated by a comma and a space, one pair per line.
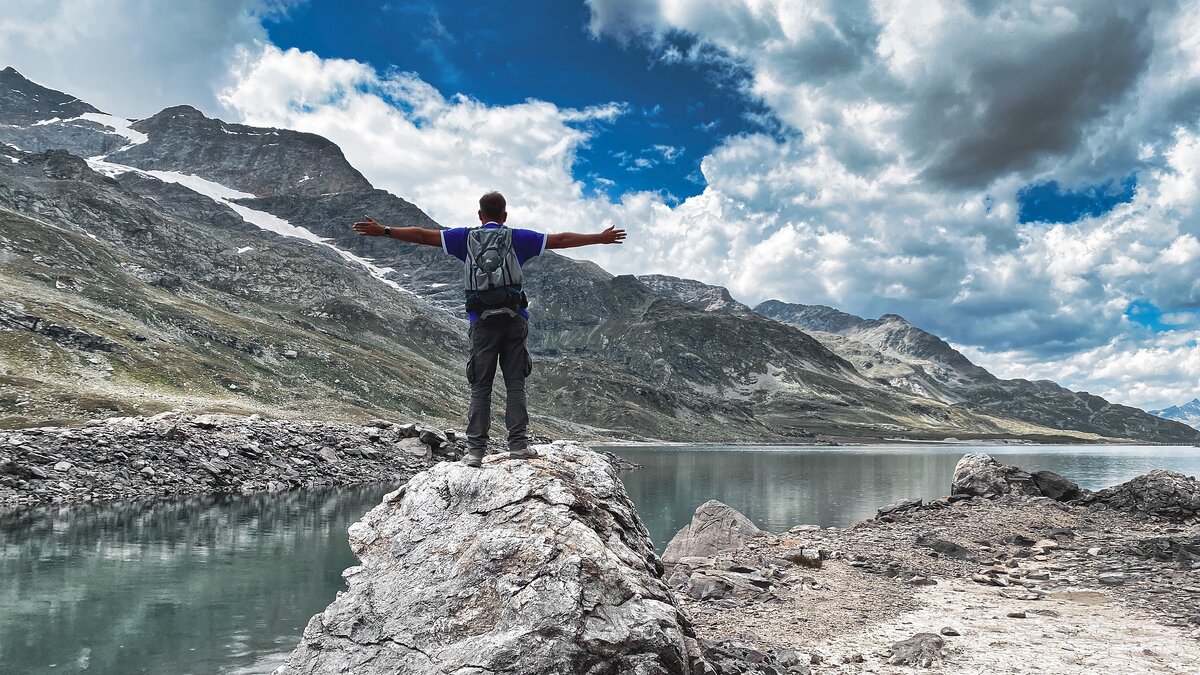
492, 275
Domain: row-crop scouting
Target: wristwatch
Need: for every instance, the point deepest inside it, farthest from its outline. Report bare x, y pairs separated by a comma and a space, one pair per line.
387, 231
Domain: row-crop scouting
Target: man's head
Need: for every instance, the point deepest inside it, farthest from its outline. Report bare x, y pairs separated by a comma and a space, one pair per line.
491, 208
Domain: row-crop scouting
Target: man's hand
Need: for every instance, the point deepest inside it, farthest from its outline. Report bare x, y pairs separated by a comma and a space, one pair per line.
368, 228
612, 236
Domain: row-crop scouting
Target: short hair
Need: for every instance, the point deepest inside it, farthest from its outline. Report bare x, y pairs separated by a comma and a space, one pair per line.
492, 204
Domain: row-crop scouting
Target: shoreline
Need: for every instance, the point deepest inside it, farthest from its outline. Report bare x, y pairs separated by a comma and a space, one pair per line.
175, 456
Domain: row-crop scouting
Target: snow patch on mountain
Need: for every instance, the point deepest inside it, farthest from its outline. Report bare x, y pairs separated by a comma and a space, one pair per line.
118, 124
225, 196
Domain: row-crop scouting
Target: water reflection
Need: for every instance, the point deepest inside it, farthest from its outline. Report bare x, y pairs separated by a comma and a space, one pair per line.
779, 487
218, 584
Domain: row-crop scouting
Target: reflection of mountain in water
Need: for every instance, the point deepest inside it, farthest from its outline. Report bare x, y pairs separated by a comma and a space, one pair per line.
203, 585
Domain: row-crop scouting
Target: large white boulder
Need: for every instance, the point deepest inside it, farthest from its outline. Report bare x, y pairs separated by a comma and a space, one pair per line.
524, 566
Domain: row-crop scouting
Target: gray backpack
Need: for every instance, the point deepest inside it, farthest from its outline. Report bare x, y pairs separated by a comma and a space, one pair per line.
492, 276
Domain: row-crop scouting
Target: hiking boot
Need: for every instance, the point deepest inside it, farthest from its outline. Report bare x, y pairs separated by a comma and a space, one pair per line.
473, 460
523, 453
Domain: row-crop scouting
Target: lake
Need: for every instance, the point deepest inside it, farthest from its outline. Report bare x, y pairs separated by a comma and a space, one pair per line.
226, 584
781, 486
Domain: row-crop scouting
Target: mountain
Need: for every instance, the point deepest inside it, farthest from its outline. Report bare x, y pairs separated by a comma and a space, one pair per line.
181, 261
1188, 413
893, 343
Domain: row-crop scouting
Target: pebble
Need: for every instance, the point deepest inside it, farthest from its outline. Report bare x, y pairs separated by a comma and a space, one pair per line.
1111, 578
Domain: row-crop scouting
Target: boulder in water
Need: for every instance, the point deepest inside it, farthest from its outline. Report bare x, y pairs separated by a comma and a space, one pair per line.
979, 475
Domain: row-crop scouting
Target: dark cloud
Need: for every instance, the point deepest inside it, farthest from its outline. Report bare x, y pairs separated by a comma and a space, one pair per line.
1011, 111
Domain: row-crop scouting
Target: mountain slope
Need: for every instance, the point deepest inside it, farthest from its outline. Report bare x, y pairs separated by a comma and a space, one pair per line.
1044, 403
1188, 413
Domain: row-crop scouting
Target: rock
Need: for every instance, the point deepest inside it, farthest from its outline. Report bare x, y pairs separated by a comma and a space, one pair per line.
733, 657
1164, 494
947, 548
434, 438
451, 435
923, 650
1056, 487
533, 567
414, 447
715, 527
949, 632
1111, 578
1019, 614
900, 506
329, 455
978, 475
64, 466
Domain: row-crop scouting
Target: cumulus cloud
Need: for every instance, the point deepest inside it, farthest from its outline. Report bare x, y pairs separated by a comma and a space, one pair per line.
132, 57
440, 153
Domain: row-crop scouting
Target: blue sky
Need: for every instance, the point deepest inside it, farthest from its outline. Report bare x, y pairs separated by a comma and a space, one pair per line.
506, 53
1021, 178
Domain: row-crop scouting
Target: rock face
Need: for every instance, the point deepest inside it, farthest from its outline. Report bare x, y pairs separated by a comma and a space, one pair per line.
1160, 493
715, 527
538, 566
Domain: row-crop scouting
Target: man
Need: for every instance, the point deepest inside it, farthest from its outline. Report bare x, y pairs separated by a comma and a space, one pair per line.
493, 255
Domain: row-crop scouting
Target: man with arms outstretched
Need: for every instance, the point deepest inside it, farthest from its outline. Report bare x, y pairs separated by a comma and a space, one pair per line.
493, 255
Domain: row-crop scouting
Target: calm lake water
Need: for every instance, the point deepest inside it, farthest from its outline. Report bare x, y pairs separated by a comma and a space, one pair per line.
779, 486
226, 584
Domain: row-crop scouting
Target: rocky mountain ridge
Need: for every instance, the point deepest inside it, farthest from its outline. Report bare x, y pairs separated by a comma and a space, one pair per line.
227, 247
1188, 413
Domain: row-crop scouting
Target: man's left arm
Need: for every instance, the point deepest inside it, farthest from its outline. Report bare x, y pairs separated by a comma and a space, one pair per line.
572, 240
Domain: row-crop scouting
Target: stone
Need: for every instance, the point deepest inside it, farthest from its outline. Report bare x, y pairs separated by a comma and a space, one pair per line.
899, 507
923, 650
434, 438
979, 475
63, 466
715, 527
329, 455
516, 567
733, 657
1164, 494
1111, 578
1019, 614
949, 631
1056, 487
414, 447
947, 548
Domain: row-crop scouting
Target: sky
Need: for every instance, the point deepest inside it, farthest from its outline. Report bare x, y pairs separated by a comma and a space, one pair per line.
1020, 178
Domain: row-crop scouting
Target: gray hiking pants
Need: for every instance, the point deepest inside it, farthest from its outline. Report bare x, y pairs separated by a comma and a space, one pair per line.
498, 339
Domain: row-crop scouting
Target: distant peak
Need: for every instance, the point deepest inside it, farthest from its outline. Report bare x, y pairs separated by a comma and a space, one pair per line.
893, 318
180, 110
9, 70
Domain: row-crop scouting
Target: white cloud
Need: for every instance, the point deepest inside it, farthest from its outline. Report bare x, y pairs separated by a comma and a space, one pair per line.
131, 57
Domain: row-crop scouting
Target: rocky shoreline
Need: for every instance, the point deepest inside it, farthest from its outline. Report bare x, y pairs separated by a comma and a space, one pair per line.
997, 577
176, 455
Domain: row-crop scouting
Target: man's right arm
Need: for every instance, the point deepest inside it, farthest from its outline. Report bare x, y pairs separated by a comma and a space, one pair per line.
572, 240
413, 235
